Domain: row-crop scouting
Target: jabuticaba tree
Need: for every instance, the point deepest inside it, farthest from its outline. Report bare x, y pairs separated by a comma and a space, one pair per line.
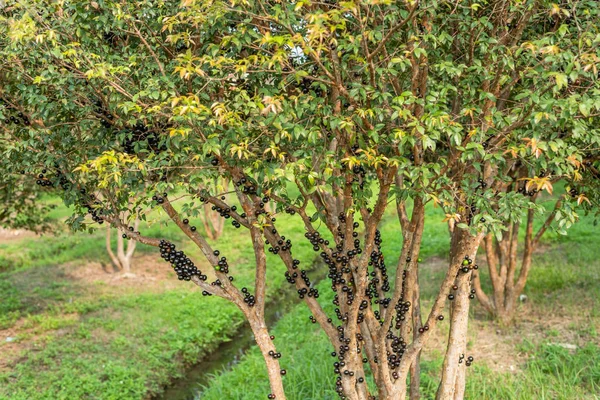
333, 112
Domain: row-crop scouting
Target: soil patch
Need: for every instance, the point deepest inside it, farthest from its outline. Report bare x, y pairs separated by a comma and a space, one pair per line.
8, 235
500, 349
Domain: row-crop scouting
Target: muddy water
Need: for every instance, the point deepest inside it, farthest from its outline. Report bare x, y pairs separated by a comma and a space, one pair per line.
228, 354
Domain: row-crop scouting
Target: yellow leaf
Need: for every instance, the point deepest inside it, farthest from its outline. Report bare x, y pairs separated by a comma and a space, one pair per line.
573, 160
547, 186
529, 184
581, 198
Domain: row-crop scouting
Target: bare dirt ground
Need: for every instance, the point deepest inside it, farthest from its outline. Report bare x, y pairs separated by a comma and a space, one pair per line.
7, 235
148, 272
499, 348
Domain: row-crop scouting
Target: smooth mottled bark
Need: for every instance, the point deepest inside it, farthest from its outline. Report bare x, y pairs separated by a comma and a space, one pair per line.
453, 380
123, 258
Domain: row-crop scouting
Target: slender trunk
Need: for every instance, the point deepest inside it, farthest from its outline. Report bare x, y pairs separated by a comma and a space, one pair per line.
506, 291
123, 259
112, 256
269, 352
493, 264
411, 286
126, 262
207, 222
415, 369
481, 296
132, 243
457, 341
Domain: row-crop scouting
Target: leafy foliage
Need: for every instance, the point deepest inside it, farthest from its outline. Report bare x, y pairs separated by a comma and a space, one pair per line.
154, 92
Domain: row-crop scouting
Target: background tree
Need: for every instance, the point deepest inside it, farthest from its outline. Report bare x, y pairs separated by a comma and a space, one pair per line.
509, 255
329, 110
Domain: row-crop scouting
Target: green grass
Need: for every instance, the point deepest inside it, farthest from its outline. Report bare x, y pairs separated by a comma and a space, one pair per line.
305, 356
306, 351
552, 372
133, 346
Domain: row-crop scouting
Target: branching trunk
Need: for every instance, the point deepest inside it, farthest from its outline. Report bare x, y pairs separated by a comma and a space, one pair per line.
122, 259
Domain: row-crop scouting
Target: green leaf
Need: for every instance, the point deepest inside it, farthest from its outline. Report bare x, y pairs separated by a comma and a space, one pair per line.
561, 80
585, 109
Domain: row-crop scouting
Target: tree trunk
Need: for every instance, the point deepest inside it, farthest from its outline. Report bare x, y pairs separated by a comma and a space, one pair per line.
453, 377
213, 223
415, 369
457, 340
122, 260
461, 380
506, 289
265, 344
112, 256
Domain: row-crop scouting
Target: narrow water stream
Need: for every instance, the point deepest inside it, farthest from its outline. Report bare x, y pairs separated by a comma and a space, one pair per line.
228, 354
